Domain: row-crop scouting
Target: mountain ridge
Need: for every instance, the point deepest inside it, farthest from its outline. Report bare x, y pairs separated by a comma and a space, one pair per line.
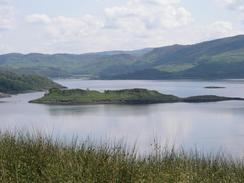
220, 58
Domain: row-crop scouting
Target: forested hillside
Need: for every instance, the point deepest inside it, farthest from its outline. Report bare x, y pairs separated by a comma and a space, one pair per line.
13, 83
222, 58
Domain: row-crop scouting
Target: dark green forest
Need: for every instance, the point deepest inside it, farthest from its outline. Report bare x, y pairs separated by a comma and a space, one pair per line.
15, 83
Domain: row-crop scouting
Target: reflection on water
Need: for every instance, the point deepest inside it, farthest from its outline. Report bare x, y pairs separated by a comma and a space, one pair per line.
208, 126
109, 110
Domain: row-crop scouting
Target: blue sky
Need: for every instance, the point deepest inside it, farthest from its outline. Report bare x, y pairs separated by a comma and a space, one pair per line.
75, 26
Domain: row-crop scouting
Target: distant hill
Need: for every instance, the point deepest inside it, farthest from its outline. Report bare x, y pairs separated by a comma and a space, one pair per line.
66, 65
222, 58
12, 83
137, 53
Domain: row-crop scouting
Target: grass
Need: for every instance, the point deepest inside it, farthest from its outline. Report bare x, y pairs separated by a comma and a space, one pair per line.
28, 158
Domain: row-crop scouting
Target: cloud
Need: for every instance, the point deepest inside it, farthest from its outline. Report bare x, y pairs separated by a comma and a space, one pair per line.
143, 15
191, 34
215, 30
220, 29
233, 4
141, 18
38, 18
132, 25
7, 13
61, 28
236, 6
5, 2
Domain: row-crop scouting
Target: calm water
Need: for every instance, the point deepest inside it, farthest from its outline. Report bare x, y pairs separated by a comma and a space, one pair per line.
209, 126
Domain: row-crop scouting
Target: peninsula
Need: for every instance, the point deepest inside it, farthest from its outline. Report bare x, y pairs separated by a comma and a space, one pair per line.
14, 83
126, 96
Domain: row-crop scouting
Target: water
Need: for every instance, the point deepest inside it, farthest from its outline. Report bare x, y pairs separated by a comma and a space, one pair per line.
210, 127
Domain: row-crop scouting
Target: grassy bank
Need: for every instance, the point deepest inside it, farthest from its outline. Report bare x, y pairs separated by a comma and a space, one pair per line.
26, 158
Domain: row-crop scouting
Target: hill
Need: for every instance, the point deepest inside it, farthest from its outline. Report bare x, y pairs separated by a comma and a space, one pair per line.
68, 65
221, 58
12, 83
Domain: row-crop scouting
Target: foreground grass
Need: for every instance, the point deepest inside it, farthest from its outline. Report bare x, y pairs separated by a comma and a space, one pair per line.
27, 158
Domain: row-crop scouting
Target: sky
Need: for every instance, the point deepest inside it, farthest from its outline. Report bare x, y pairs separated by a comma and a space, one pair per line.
80, 26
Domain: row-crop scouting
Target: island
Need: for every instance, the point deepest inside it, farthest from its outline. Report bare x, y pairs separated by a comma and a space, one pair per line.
127, 96
214, 87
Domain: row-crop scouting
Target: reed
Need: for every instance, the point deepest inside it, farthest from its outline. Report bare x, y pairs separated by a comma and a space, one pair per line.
25, 158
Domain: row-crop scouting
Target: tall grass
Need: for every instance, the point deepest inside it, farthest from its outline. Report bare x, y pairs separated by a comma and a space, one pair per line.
26, 158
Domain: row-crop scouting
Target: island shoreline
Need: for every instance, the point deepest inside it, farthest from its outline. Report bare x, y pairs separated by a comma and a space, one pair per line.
121, 97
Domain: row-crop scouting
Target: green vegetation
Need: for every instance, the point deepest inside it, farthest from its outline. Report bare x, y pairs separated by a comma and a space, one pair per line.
35, 158
208, 98
222, 58
13, 83
68, 65
130, 96
235, 55
127, 96
172, 68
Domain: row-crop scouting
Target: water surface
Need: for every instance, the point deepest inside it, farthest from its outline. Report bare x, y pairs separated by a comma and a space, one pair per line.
208, 126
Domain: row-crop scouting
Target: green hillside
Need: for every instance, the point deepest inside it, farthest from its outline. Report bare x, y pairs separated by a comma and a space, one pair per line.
13, 83
66, 65
222, 58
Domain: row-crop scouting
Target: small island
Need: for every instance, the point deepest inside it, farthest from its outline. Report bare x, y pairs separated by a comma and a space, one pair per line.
214, 87
126, 96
